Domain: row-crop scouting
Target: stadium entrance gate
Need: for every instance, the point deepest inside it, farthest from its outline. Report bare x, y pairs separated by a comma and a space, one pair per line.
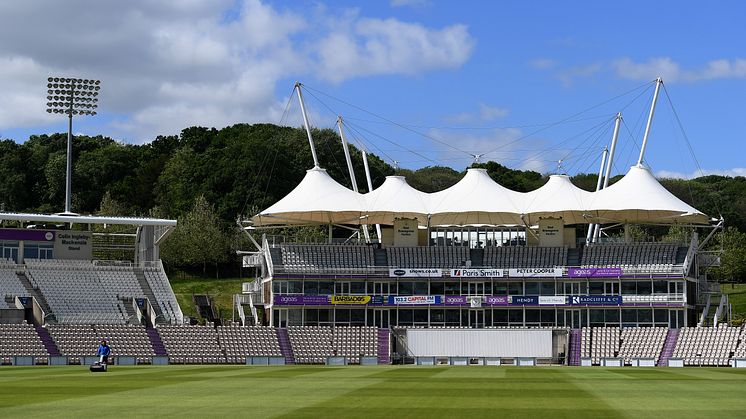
476, 318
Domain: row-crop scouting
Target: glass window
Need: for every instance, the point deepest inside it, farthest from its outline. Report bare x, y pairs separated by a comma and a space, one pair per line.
629, 315
660, 287
325, 315
596, 288
437, 288
357, 316
420, 316
500, 288
532, 288
357, 287
629, 287
312, 316
453, 317
295, 287
661, 315
405, 317
342, 315
406, 288
547, 317
612, 316
326, 287
452, 288
597, 316
532, 316
500, 317
515, 288
645, 315
311, 287
515, 316
644, 288
437, 316
420, 288
547, 288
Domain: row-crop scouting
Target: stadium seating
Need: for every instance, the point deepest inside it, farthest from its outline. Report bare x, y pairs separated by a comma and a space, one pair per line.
240, 342
315, 258
642, 342
20, 340
83, 340
164, 295
10, 286
657, 256
187, 344
75, 339
313, 344
707, 346
427, 257
505, 257
604, 343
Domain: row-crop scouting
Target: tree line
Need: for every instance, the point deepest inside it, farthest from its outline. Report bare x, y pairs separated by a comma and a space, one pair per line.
211, 177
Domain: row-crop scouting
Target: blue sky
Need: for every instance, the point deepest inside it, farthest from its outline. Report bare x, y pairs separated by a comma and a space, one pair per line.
457, 78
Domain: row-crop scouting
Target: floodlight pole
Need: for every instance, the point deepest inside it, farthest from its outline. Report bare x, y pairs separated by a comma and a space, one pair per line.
305, 123
69, 170
658, 83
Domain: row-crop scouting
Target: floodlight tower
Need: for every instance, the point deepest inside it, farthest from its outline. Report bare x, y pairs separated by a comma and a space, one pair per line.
71, 96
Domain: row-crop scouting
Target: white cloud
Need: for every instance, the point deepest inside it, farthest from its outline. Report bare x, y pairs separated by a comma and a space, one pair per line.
390, 46
736, 171
168, 65
543, 63
489, 113
665, 67
485, 113
409, 3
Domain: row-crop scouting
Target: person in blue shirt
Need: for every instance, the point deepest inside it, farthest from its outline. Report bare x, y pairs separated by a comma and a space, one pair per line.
103, 352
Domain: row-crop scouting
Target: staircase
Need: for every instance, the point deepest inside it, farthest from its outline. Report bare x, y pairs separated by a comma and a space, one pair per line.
129, 311
384, 347
155, 341
287, 350
47, 341
380, 258
668, 347
573, 256
574, 347
148, 291
33, 292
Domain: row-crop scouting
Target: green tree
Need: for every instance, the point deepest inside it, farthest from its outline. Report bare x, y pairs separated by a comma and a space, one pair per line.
733, 259
198, 239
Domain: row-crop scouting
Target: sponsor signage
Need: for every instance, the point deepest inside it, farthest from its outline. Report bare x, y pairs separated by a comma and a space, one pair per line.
299, 300
414, 299
524, 300
598, 300
415, 273
475, 302
496, 300
350, 299
594, 272
476, 273
549, 300
73, 245
456, 300
535, 272
27, 235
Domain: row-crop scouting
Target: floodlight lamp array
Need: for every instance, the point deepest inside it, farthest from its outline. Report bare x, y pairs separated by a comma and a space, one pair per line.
71, 96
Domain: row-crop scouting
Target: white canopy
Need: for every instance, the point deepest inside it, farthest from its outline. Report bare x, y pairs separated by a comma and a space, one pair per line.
558, 198
318, 199
395, 198
639, 198
478, 200
475, 199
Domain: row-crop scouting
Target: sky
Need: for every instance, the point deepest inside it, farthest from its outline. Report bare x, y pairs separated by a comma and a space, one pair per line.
531, 85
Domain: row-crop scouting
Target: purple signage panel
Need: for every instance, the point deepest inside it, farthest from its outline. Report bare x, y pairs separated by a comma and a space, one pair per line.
456, 300
594, 272
299, 300
29, 235
496, 300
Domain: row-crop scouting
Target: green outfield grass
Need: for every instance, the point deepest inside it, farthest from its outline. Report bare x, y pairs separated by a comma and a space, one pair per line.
370, 392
